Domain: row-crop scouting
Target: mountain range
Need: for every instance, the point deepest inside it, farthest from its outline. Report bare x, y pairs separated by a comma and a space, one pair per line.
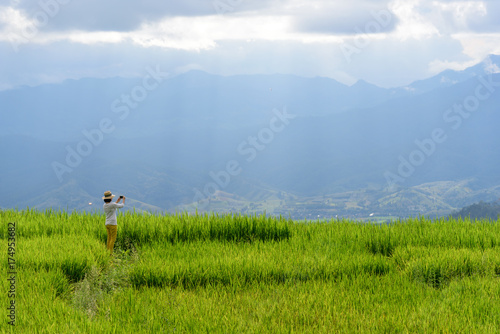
283, 144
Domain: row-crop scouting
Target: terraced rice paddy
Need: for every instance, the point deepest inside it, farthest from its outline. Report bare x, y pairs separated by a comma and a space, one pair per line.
251, 274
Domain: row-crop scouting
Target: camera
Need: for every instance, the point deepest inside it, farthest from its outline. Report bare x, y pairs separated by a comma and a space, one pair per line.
121, 196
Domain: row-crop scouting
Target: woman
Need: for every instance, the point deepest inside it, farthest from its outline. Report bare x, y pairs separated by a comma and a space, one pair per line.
110, 211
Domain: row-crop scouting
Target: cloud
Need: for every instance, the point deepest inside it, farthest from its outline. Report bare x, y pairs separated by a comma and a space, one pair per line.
202, 33
438, 65
491, 67
413, 23
479, 45
344, 18
454, 16
313, 16
110, 15
129, 15
490, 22
185, 33
397, 41
460, 16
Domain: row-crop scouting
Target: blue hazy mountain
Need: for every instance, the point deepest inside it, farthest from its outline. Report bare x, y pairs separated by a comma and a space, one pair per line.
64, 144
61, 111
449, 77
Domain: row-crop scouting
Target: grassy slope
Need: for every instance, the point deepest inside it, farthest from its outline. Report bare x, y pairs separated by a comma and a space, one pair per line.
252, 274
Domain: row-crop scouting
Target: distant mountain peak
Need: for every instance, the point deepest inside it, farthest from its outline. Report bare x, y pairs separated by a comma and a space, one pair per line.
493, 57
363, 84
360, 82
491, 64
449, 77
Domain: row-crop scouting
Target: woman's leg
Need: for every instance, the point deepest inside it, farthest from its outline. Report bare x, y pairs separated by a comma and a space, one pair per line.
112, 232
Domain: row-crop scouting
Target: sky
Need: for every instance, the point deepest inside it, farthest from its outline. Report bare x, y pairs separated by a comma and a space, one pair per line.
389, 43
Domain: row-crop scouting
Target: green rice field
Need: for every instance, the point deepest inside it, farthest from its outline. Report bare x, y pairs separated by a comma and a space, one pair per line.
248, 274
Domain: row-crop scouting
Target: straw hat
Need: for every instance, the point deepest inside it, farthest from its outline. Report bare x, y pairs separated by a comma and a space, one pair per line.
108, 195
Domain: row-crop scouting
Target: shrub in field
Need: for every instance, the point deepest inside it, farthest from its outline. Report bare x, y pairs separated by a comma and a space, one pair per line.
381, 243
90, 292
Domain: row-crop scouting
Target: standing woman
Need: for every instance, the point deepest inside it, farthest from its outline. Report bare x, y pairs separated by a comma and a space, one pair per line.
110, 211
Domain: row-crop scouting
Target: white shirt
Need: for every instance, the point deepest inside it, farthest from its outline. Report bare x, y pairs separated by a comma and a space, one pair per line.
110, 211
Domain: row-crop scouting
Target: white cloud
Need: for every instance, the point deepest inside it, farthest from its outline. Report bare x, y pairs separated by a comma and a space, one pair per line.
454, 16
185, 33
492, 68
82, 37
436, 66
478, 46
413, 25
461, 10
13, 22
